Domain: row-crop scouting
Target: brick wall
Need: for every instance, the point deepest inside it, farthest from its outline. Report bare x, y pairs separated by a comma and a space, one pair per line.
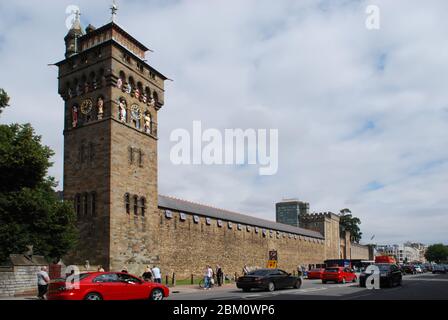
360, 252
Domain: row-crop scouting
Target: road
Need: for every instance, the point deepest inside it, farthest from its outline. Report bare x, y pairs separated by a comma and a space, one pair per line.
425, 286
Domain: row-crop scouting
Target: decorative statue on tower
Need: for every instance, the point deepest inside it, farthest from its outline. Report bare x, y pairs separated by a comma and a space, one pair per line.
100, 105
75, 116
122, 111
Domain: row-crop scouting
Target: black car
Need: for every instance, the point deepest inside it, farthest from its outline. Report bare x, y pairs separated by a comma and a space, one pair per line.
390, 275
439, 268
268, 279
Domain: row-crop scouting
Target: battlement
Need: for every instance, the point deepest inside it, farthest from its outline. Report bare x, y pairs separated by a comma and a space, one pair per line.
318, 217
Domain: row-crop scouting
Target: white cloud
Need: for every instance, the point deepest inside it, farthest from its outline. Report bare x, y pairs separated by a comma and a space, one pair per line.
308, 68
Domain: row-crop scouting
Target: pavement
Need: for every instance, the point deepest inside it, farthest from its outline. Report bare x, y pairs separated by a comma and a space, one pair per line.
415, 287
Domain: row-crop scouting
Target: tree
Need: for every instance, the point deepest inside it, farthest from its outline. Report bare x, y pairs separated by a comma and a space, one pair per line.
437, 253
350, 223
4, 100
30, 211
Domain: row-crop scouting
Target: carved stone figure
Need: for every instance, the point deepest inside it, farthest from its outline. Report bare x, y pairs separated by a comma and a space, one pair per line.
70, 93
152, 102
122, 111
137, 93
100, 105
120, 83
75, 116
86, 87
145, 98
147, 119
129, 88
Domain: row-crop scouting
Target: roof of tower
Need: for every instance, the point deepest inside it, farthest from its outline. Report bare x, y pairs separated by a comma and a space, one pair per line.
76, 29
115, 26
207, 211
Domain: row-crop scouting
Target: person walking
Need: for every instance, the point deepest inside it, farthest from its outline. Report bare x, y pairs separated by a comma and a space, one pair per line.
219, 275
147, 275
100, 269
125, 270
245, 270
157, 274
43, 281
208, 277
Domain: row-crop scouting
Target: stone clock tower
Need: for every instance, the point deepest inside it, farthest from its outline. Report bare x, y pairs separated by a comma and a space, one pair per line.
112, 97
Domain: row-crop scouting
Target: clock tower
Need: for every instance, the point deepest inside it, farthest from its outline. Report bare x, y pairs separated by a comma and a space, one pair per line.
112, 97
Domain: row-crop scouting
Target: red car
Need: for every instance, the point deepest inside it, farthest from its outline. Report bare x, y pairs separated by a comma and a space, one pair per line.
107, 286
315, 274
339, 275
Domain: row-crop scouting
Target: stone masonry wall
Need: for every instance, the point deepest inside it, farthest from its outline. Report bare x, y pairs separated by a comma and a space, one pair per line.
186, 247
360, 252
18, 281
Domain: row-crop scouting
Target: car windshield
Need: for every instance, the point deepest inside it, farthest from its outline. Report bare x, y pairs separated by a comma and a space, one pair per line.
260, 272
332, 270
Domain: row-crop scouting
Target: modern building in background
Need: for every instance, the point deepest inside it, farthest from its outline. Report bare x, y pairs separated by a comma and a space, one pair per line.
289, 211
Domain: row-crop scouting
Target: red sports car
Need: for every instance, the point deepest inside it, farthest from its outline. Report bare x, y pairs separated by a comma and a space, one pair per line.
339, 275
106, 286
315, 274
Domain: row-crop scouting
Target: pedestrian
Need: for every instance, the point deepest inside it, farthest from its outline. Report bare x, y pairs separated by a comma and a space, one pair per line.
125, 270
208, 274
245, 270
100, 269
219, 275
157, 274
147, 275
43, 281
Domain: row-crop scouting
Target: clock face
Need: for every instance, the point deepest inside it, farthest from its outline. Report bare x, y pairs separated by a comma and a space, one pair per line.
135, 112
87, 106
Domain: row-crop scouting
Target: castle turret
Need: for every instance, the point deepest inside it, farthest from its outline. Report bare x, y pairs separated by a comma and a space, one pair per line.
71, 39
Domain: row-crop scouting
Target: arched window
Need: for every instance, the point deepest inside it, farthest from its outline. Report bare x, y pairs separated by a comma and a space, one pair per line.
93, 204
101, 80
143, 206
131, 85
136, 205
147, 97
127, 203
92, 81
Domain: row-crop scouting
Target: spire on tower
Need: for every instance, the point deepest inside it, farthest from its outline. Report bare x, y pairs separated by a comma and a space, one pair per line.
114, 9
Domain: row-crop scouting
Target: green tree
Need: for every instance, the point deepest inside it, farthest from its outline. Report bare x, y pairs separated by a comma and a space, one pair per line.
350, 223
30, 211
4, 100
437, 253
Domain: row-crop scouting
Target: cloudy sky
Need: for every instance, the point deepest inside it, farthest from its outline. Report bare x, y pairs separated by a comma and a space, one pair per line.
362, 115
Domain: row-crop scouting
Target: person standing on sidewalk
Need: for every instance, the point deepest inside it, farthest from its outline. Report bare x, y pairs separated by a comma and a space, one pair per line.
157, 274
43, 280
208, 277
219, 275
245, 270
147, 275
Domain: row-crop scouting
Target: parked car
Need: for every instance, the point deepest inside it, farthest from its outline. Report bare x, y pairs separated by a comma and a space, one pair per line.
390, 275
409, 269
439, 268
107, 286
418, 269
339, 275
316, 274
268, 279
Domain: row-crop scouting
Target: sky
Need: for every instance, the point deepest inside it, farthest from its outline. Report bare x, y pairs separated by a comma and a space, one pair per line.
362, 114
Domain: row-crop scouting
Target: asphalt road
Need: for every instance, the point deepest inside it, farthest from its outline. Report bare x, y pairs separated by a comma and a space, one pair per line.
425, 286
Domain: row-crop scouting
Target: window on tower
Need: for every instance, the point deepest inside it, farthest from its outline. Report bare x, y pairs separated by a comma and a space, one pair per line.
143, 206
93, 204
127, 203
136, 205
78, 205
85, 203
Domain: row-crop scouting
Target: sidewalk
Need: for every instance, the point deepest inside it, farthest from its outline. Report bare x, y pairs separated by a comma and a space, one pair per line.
196, 288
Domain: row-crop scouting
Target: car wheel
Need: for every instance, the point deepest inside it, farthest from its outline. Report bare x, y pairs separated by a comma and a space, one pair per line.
156, 295
298, 284
246, 290
355, 279
271, 287
93, 297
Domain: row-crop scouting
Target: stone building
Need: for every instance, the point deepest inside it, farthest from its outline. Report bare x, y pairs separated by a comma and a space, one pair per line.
112, 98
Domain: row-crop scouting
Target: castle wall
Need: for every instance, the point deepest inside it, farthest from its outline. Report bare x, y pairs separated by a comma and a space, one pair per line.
185, 247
